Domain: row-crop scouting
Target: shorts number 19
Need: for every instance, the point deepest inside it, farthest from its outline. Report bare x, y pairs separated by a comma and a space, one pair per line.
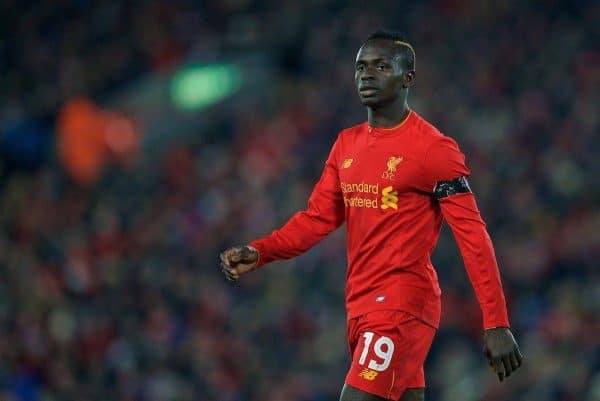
384, 349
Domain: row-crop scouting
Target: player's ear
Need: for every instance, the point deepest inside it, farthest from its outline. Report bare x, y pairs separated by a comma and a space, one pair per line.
408, 78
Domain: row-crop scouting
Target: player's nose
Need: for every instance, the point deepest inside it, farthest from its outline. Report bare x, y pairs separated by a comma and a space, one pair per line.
366, 75
366, 72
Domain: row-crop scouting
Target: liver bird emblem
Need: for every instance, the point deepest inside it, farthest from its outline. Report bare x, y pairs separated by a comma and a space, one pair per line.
393, 162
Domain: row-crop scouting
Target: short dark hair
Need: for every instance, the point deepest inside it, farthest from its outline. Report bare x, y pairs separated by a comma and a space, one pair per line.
398, 38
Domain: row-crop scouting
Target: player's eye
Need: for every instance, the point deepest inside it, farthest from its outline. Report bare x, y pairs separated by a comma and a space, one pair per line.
381, 66
360, 67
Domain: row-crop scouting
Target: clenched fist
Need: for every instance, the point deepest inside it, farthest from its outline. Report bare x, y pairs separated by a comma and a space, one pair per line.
238, 260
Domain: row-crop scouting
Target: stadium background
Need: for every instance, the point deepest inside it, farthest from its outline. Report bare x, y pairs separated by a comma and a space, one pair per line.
140, 138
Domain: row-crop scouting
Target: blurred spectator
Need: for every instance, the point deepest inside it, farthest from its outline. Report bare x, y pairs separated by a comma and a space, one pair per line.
88, 135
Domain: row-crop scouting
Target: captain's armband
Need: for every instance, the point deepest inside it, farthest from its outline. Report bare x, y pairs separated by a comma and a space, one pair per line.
443, 189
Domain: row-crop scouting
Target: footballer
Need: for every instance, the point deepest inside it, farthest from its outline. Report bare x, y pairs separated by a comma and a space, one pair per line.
393, 179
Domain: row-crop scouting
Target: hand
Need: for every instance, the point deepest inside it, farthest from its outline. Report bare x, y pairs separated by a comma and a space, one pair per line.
238, 260
502, 351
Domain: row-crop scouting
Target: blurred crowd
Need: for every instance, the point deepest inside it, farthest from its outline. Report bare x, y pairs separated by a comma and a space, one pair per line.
111, 290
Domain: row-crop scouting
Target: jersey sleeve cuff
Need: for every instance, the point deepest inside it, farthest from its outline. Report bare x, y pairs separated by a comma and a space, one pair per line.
492, 323
261, 253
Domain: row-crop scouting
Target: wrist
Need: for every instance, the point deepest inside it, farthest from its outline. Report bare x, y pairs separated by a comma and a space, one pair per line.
257, 252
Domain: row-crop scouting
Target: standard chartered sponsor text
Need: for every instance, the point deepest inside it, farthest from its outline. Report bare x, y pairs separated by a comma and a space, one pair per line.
360, 188
358, 200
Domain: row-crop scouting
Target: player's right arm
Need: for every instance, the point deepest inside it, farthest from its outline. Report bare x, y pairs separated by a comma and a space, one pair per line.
324, 214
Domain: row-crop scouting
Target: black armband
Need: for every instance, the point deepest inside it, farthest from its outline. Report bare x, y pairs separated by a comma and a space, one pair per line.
459, 185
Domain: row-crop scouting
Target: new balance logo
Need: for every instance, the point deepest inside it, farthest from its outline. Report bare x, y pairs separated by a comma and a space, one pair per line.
347, 163
368, 374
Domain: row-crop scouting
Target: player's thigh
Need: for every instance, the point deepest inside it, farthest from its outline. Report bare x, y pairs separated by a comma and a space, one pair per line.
413, 394
350, 393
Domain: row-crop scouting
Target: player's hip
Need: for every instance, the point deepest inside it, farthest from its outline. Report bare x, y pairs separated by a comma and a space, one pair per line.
422, 302
388, 349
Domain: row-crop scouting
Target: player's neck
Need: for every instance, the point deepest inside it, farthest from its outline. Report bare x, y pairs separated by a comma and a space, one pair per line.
388, 116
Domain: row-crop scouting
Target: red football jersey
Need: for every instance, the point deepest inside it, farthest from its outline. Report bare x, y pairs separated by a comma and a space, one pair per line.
381, 181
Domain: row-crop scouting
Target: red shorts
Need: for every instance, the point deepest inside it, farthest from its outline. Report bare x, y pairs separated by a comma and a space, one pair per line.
388, 349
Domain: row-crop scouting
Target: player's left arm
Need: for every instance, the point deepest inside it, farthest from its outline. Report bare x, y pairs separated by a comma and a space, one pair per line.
447, 172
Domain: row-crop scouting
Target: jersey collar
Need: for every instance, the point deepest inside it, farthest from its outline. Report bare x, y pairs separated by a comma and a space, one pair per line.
391, 131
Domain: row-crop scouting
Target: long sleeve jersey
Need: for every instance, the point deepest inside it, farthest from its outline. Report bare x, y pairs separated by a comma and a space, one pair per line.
380, 181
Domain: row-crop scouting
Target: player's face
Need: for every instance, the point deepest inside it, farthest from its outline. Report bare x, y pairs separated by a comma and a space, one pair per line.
378, 73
